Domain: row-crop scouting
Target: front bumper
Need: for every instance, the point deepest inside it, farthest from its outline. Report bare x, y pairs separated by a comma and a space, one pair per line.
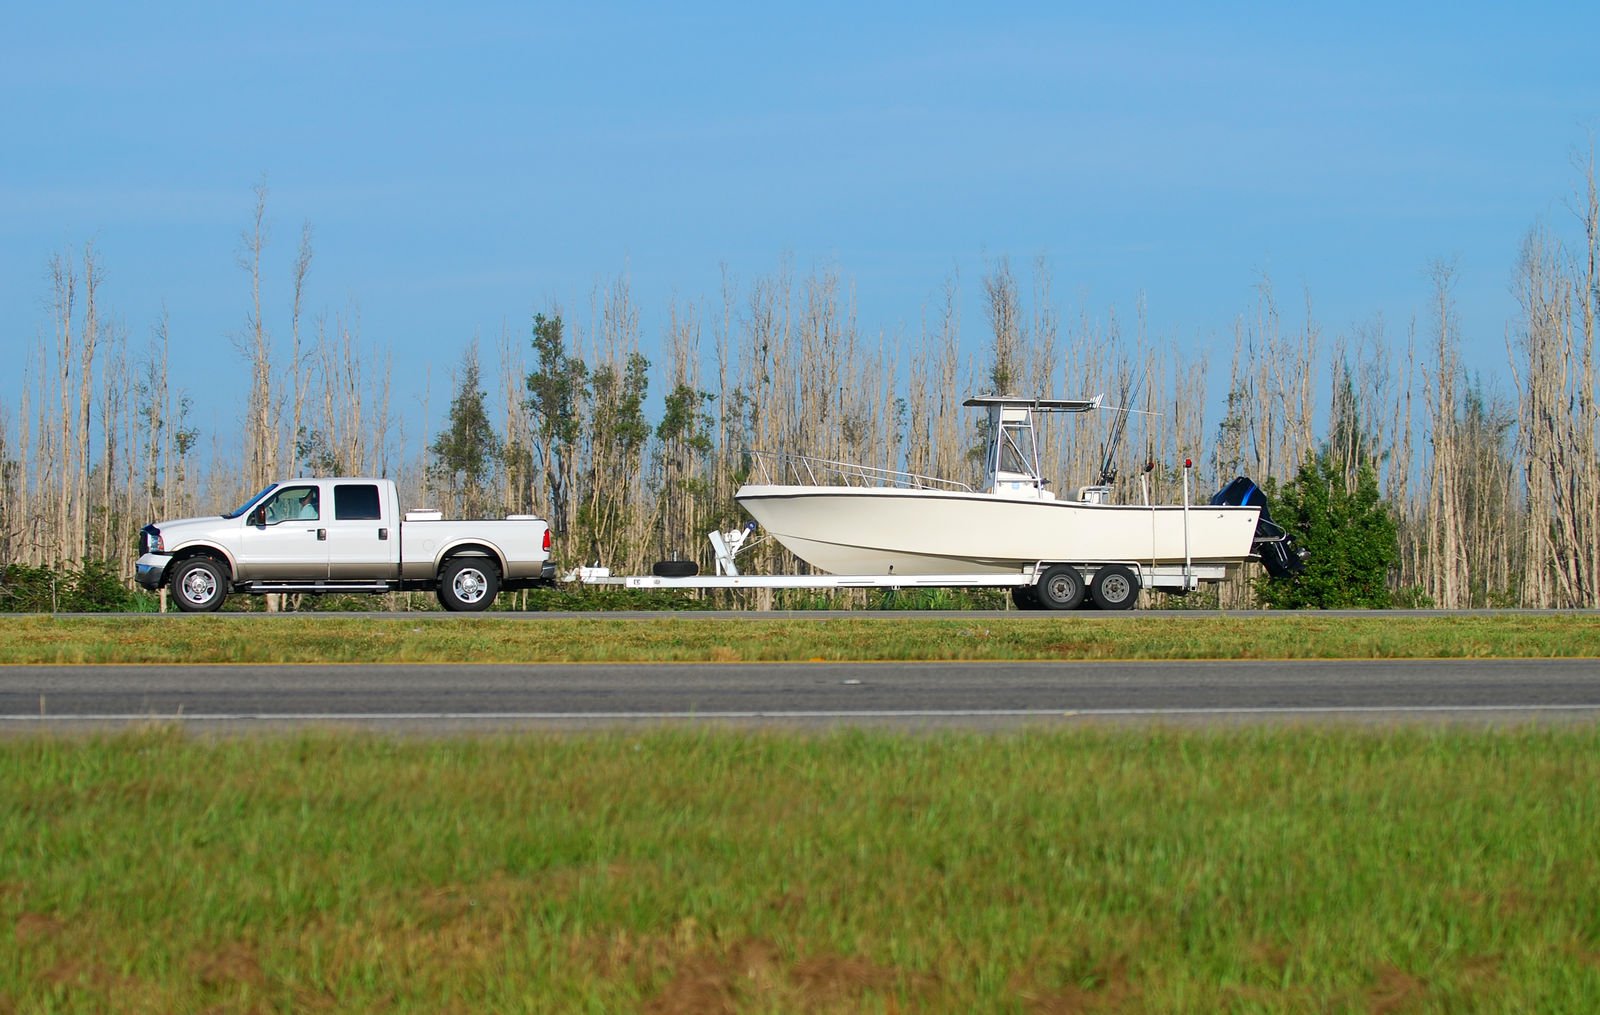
151, 570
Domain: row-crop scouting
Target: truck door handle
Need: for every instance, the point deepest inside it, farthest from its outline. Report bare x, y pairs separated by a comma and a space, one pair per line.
322, 533
383, 533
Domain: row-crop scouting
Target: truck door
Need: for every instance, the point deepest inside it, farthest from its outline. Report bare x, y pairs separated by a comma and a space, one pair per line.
362, 544
284, 537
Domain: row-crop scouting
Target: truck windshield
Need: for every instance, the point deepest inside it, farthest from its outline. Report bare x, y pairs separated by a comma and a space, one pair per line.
242, 508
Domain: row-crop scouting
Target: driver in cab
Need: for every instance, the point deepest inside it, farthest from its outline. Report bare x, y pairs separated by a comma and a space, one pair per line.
299, 504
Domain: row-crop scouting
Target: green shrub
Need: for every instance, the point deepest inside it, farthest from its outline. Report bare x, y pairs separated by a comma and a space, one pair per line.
95, 587
1349, 536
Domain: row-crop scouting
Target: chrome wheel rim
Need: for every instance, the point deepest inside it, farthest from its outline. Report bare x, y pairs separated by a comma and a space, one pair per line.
199, 586
469, 585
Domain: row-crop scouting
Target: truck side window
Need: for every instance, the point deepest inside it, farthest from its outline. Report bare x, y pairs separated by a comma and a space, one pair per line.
293, 503
356, 502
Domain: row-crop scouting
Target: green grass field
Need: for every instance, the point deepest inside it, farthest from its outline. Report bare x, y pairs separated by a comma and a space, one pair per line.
1095, 870
688, 637
1253, 870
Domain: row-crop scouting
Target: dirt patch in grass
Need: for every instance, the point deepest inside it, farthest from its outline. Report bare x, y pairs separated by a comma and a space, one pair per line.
1395, 991
89, 976
715, 983
37, 926
230, 964
753, 974
831, 979
1108, 988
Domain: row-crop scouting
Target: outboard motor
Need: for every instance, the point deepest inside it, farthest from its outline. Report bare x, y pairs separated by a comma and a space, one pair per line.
1272, 544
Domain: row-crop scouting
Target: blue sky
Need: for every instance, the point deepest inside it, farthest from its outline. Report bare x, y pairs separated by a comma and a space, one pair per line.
463, 169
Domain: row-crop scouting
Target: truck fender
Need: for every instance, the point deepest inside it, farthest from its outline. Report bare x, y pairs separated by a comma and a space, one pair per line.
212, 550
468, 548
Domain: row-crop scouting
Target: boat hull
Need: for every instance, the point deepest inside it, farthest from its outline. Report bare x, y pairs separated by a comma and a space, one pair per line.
884, 530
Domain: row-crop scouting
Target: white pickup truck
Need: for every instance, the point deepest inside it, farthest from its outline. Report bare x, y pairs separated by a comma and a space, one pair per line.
341, 535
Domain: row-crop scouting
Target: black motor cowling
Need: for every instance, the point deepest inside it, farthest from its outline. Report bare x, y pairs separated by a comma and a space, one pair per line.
1272, 544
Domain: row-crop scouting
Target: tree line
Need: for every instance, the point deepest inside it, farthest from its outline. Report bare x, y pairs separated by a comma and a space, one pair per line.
1491, 497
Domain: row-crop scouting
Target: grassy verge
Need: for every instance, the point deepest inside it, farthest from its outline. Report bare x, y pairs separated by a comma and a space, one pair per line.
1259, 870
535, 638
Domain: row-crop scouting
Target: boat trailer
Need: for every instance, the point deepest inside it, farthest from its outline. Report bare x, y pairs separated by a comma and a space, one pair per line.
1057, 585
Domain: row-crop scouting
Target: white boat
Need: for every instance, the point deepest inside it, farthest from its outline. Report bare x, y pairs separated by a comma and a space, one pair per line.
855, 520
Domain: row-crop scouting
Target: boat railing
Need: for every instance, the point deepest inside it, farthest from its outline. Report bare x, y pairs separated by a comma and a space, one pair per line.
783, 469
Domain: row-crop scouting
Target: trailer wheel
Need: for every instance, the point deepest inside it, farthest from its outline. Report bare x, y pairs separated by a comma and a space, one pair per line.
199, 585
1023, 596
1060, 588
468, 584
1114, 588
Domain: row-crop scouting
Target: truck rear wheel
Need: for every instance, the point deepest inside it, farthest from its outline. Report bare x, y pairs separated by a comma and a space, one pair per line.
468, 584
199, 585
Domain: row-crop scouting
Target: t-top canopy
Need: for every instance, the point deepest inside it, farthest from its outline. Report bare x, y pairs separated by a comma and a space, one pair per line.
1037, 404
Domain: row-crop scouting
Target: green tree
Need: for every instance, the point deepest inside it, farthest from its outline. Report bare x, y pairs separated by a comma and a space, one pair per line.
618, 432
1347, 532
682, 462
556, 390
466, 455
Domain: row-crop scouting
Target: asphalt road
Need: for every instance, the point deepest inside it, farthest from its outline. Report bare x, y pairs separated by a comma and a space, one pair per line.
969, 695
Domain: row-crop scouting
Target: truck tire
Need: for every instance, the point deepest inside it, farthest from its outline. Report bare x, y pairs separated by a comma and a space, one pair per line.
199, 585
1114, 587
468, 584
1060, 588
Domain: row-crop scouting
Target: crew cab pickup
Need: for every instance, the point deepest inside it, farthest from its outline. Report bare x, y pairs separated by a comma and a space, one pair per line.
341, 535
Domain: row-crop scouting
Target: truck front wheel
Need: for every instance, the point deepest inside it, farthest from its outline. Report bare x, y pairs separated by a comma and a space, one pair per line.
468, 584
199, 585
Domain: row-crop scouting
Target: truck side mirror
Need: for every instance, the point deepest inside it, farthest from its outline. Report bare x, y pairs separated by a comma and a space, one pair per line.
258, 517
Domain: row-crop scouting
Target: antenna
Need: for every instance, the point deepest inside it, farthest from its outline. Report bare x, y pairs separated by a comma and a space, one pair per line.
1119, 427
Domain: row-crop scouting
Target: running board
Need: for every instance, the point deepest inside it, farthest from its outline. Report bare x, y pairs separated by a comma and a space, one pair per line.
329, 586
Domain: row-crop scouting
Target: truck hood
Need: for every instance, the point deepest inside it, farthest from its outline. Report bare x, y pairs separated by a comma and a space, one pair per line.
183, 530
203, 521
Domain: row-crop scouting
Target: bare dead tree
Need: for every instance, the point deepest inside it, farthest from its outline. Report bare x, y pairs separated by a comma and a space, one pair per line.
1003, 308
1446, 538
261, 415
517, 467
1557, 425
64, 282
299, 381
77, 535
13, 505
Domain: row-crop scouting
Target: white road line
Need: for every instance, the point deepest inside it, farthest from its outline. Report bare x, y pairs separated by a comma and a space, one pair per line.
818, 714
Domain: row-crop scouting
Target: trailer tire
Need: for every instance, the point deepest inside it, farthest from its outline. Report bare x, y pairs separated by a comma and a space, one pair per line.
1023, 596
199, 585
1060, 588
468, 584
1114, 587
674, 569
